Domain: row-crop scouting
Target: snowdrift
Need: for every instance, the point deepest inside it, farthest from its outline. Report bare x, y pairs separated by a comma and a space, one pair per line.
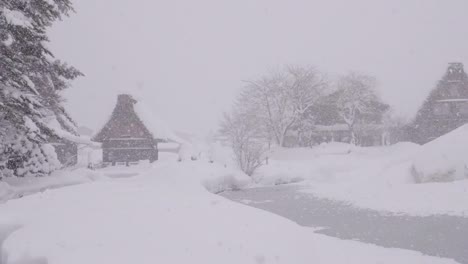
444, 159
16, 187
378, 178
336, 163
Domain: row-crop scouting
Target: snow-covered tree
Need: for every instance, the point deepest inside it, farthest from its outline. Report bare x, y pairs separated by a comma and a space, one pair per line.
241, 130
281, 99
355, 98
30, 82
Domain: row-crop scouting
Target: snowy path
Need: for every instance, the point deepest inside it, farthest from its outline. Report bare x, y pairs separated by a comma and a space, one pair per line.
443, 236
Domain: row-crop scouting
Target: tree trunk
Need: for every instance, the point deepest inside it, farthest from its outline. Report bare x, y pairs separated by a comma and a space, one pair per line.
352, 140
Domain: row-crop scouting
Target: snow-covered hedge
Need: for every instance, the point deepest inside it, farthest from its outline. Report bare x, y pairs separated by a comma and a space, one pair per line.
444, 159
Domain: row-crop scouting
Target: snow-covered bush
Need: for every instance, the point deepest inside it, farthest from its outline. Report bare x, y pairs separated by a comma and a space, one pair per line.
28, 158
186, 152
224, 183
242, 132
443, 159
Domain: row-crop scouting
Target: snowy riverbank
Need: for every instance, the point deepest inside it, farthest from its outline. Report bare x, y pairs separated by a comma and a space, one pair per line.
378, 178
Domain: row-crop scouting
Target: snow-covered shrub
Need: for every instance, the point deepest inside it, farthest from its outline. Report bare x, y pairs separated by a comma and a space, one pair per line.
27, 158
225, 183
443, 159
186, 152
242, 131
23, 154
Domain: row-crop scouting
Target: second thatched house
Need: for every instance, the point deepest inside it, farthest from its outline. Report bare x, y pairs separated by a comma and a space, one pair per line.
131, 134
445, 109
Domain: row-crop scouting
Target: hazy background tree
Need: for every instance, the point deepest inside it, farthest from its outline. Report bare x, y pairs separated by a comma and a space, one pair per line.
282, 98
241, 130
356, 97
267, 109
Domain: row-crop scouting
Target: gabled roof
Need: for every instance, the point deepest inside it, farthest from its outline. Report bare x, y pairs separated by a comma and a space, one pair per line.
454, 84
131, 118
123, 122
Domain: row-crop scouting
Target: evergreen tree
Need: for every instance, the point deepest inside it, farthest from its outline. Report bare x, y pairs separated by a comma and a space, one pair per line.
30, 82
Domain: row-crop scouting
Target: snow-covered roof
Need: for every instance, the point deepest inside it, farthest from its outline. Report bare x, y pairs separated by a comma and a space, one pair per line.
156, 126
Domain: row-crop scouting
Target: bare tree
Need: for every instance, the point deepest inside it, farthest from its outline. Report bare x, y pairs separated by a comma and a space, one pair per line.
280, 99
356, 96
241, 129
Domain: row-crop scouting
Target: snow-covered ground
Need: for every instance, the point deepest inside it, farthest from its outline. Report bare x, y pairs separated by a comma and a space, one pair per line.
380, 178
166, 213
14, 187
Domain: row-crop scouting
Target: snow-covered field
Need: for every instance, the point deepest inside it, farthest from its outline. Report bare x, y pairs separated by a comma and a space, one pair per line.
380, 178
166, 213
169, 212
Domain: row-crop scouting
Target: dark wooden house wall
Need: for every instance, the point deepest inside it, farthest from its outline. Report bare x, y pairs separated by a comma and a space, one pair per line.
129, 150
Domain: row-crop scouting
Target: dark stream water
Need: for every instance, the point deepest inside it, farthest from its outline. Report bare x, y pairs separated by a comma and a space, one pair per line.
438, 235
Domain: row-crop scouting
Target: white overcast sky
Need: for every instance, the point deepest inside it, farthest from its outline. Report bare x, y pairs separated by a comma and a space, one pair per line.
188, 58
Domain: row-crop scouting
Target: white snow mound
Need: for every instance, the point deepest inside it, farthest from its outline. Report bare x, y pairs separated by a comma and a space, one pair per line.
444, 159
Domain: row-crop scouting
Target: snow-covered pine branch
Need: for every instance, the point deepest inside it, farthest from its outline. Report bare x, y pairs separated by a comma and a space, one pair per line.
30, 81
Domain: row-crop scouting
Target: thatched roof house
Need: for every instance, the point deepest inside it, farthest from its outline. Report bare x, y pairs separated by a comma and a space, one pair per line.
445, 109
130, 135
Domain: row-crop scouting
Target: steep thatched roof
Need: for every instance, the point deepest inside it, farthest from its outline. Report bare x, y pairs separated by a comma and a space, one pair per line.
132, 119
124, 122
